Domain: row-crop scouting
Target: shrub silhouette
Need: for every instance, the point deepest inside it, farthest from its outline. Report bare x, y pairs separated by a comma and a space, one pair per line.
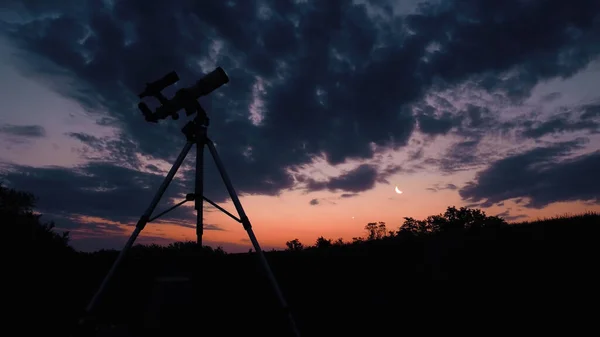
21, 224
323, 243
376, 230
294, 245
453, 220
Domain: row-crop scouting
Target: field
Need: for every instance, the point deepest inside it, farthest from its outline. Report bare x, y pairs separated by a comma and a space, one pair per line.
539, 277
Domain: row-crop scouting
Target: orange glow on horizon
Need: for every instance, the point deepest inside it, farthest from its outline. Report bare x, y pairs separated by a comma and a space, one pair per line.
277, 220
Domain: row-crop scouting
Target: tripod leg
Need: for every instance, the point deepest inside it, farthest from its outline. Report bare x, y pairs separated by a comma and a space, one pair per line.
199, 188
140, 226
248, 228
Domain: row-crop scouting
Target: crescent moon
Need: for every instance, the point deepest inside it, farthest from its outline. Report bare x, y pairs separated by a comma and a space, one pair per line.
398, 190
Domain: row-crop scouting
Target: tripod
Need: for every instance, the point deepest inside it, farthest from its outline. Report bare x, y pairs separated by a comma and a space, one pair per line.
196, 133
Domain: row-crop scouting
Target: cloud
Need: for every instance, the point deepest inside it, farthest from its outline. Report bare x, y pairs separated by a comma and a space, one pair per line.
552, 96
360, 179
62, 221
591, 111
561, 124
207, 227
119, 150
95, 189
462, 156
315, 202
541, 176
432, 124
438, 187
508, 217
451, 187
323, 80
152, 168
28, 131
348, 195
326, 80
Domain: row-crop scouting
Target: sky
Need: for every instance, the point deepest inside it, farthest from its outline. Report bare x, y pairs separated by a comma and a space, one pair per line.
331, 105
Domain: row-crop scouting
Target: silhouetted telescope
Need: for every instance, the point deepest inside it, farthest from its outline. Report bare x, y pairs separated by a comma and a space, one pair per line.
196, 133
184, 98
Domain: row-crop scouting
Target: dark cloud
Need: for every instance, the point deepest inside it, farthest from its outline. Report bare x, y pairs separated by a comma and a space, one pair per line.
591, 111
95, 189
327, 80
552, 96
472, 124
541, 43
360, 179
118, 150
29, 131
416, 155
152, 168
515, 217
506, 215
477, 117
435, 126
462, 156
440, 187
432, 124
207, 227
315, 202
335, 81
541, 176
62, 221
560, 124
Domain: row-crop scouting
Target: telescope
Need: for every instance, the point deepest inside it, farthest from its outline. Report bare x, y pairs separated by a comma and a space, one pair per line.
185, 98
195, 132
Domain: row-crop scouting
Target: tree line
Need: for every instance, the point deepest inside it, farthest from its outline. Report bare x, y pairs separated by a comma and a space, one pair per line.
17, 211
453, 220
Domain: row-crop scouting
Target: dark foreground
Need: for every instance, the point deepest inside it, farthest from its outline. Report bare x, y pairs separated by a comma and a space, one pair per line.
539, 278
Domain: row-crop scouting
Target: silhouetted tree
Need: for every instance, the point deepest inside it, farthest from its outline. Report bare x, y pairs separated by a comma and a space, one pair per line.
357, 239
470, 219
23, 224
323, 243
452, 220
294, 245
376, 230
413, 226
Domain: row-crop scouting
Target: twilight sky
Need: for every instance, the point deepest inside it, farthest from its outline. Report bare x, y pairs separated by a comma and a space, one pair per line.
330, 105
